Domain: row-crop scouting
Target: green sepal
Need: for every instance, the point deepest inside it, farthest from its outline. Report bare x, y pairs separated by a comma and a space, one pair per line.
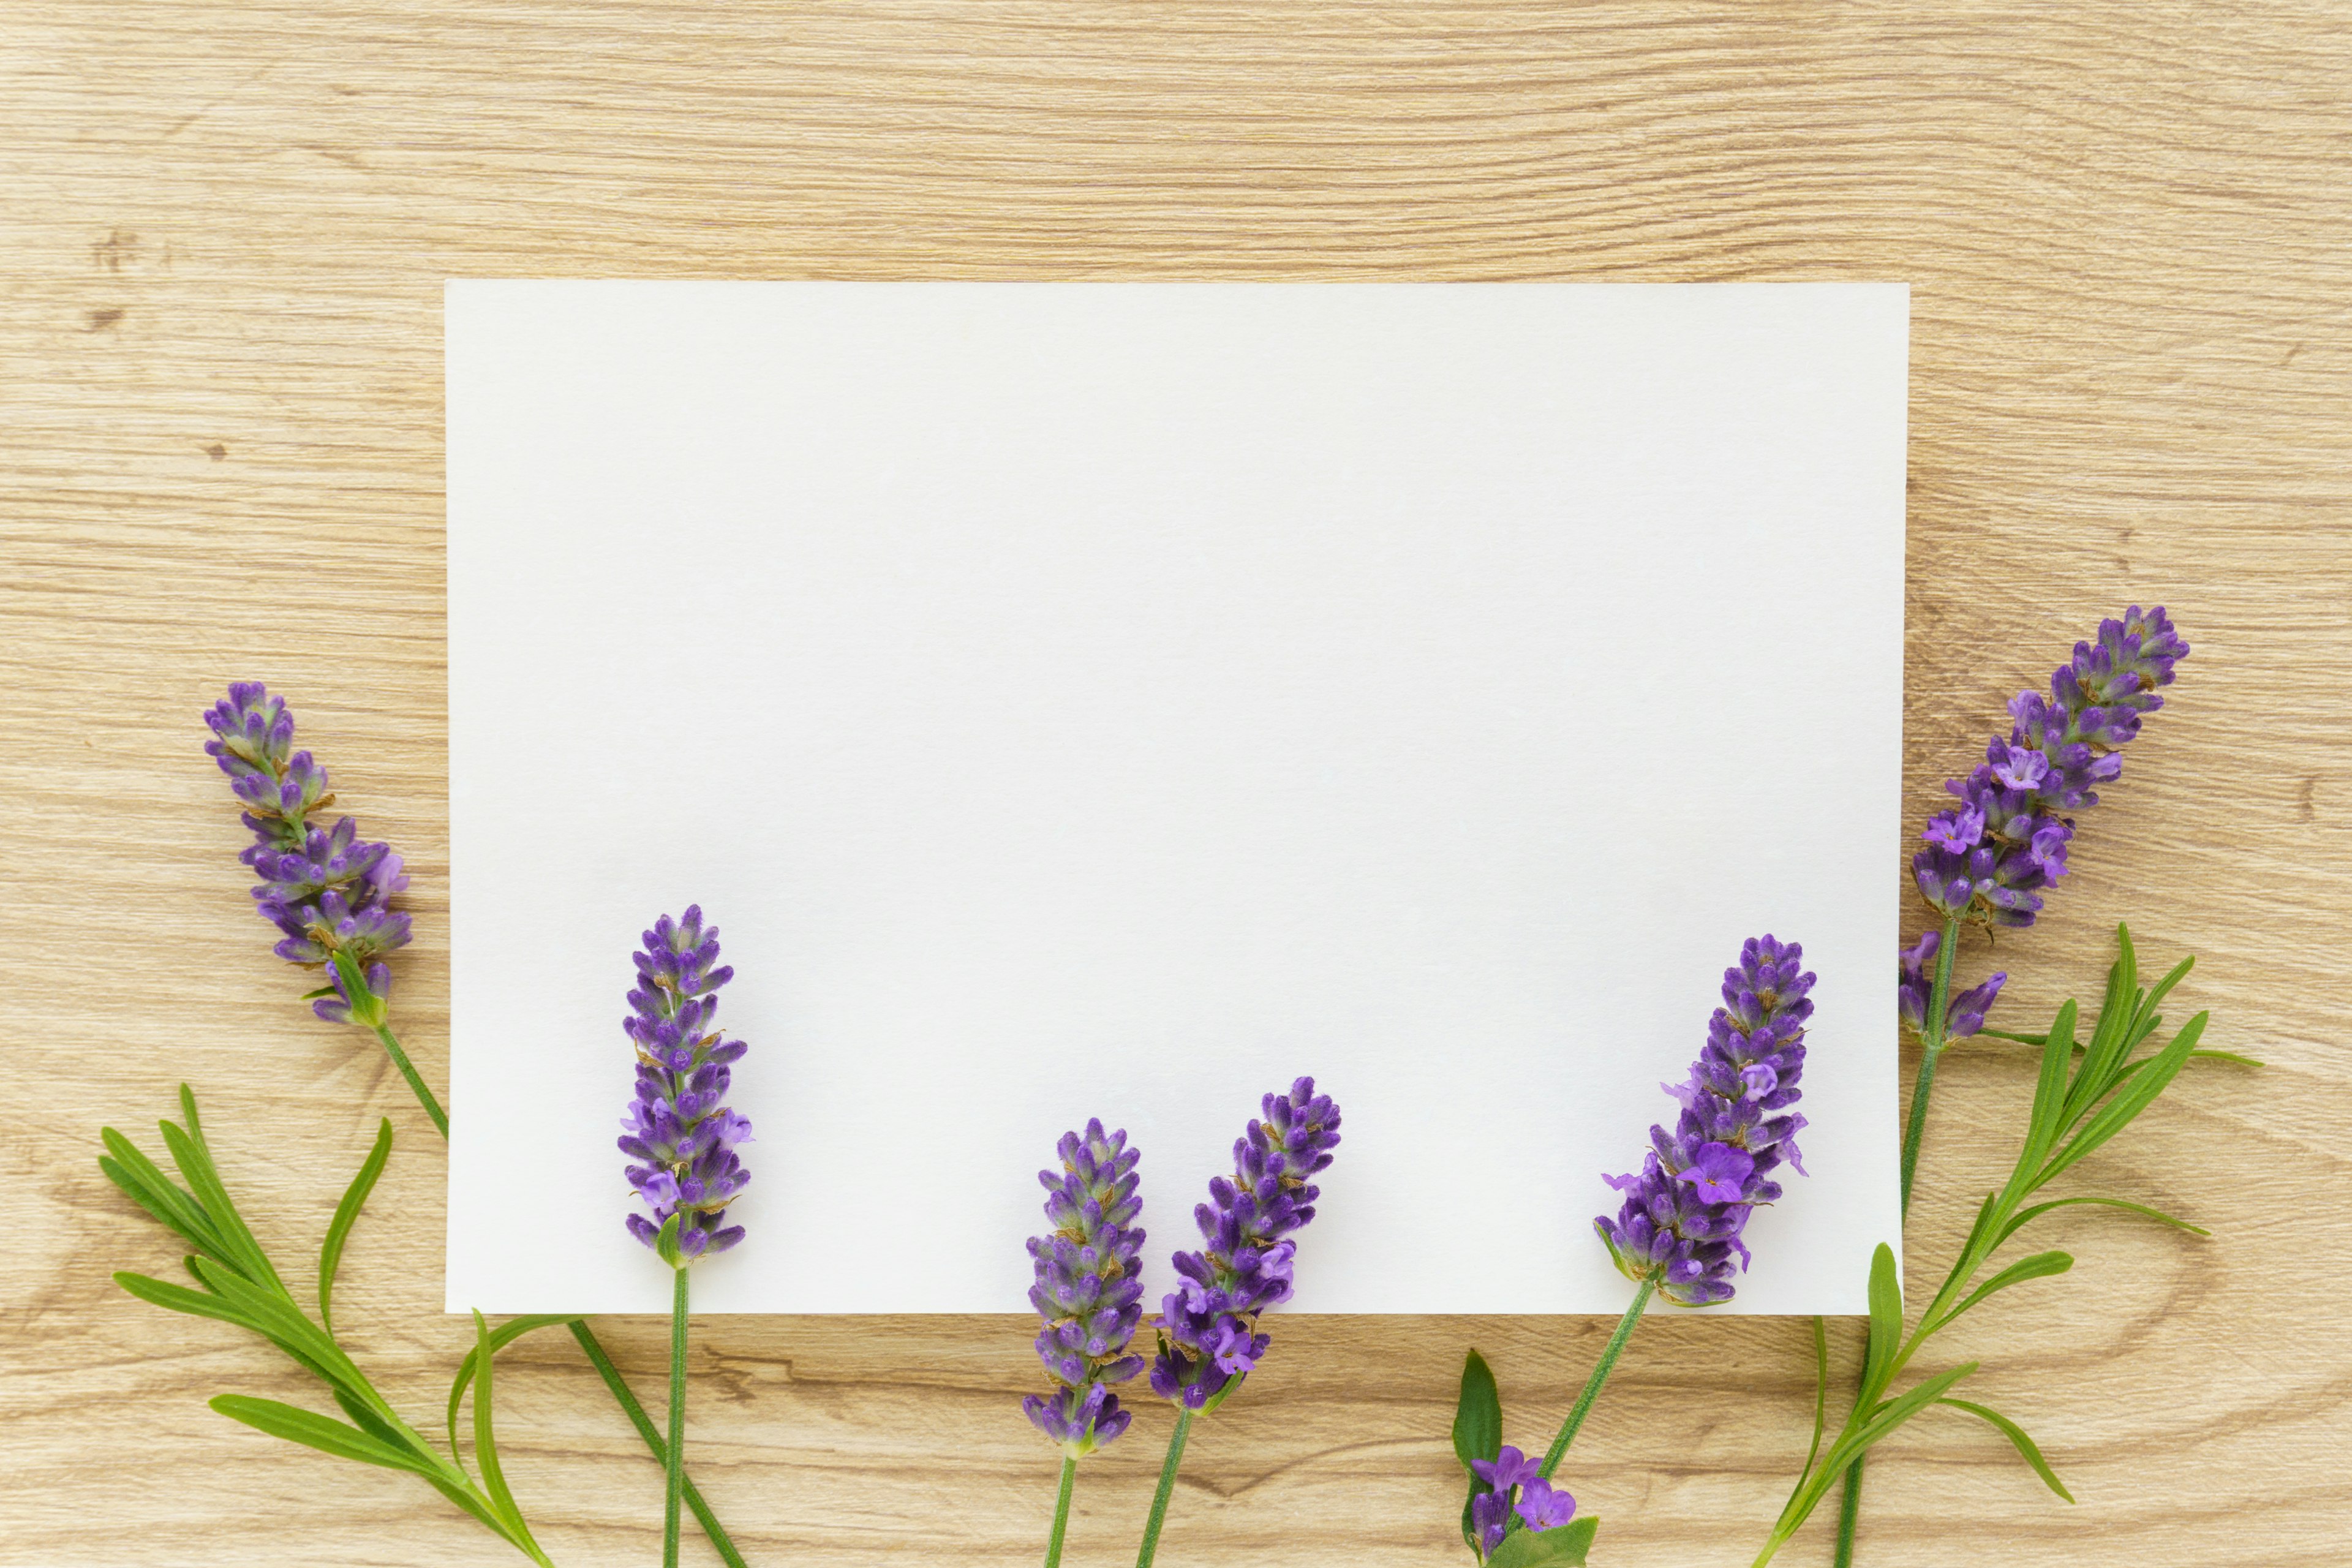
339, 1230
1478, 1414
368, 1009
2017, 1439
665, 1244
1562, 1548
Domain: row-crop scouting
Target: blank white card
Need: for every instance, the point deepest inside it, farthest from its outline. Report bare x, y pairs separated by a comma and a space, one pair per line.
1116, 701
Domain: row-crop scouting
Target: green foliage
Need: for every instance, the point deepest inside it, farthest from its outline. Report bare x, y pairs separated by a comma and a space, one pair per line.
2086, 1093
1561, 1548
236, 1284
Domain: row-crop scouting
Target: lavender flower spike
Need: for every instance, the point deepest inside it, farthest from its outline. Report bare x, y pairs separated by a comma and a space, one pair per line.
1089, 1290
1964, 1014
677, 1126
1519, 1488
1987, 858
1681, 1221
1209, 1335
325, 889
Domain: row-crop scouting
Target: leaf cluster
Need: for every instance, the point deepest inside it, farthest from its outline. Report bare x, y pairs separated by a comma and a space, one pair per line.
235, 1283
2088, 1091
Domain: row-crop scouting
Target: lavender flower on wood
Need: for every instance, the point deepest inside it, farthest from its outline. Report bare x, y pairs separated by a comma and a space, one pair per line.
1987, 858
1680, 1223
1209, 1334
1518, 1491
325, 888
677, 1127
1088, 1290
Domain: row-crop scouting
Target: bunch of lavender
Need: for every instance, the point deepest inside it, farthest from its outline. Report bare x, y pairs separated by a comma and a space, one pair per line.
2087, 1092
1676, 1235
328, 890
1090, 1292
1209, 1334
330, 895
679, 1126
1989, 856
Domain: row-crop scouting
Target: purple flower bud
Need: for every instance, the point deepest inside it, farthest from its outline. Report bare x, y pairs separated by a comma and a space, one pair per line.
677, 1126
1516, 1485
1088, 1290
324, 888
1209, 1333
1680, 1223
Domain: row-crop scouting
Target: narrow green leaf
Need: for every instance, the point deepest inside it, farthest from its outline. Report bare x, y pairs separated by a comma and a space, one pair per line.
2049, 1092
2228, 1056
160, 1208
2040, 1266
240, 1250
339, 1230
1994, 1034
1562, 1548
274, 1315
189, 1216
2023, 1444
180, 1299
505, 1334
2129, 1101
2025, 1216
1478, 1414
313, 1430
1821, 1402
1885, 1320
486, 1444
1888, 1415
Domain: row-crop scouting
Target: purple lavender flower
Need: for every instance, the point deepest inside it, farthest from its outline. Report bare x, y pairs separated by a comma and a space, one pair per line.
1518, 1487
1987, 858
1681, 1221
1089, 1289
1964, 1012
676, 1125
328, 892
1209, 1334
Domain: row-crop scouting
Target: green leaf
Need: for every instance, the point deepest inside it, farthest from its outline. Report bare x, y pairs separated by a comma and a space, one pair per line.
505, 1334
486, 1445
1564, 1547
240, 1250
2023, 1444
339, 1230
1890, 1413
180, 1299
185, 1214
2131, 1100
275, 1315
313, 1430
1885, 1320
2242, 1061
1820, 1400
2025, 1216
159, 1208
1478, 1414
373, 1424
2040, 1266
2050, 1095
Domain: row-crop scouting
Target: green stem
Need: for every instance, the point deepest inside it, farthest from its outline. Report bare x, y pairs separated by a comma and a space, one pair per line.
675, 1460
1167, 1486
1062, 1512
1848, 1507
1601, 1370
627, 1401
1931, 1046
415, 1084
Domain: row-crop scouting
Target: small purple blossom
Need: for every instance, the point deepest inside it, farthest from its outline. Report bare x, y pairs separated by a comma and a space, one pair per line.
1518, 1487
1989, 856
1682, 1213
1964, 1011
325, 888
1088, 1290
1209, 1334
677, 1126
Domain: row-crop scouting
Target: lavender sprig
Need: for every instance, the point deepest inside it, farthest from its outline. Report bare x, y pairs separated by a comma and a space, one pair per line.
1090, 1292
1209, 1335
1679, 1226
1517, 1495
680, 1127
327, 891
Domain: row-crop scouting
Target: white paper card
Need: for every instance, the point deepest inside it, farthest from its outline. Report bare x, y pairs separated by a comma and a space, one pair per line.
1077, 700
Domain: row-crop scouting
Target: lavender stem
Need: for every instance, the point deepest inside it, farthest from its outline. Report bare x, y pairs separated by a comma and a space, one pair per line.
1600, 1371
674, 1463
627, 1400
1062, 1512
1166, 1487
415, 1082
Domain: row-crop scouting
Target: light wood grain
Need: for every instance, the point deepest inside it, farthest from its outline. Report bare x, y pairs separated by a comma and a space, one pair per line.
223, 235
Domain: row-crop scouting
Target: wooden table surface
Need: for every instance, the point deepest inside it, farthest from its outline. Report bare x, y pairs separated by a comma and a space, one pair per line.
222, 236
